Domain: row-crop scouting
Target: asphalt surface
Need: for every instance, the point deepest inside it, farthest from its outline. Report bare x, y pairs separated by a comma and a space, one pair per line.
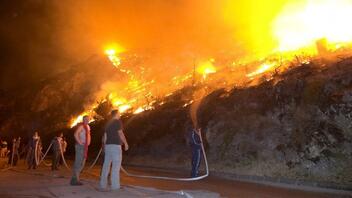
42, 183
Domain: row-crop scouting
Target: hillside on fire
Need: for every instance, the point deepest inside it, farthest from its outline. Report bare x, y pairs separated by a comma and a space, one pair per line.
296, 124
258, 92
288, 123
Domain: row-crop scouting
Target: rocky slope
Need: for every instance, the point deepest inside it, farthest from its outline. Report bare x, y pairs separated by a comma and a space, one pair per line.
294, 124
297, 125
50, 105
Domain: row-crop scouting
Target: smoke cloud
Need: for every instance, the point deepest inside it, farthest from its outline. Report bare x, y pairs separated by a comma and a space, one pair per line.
40, 38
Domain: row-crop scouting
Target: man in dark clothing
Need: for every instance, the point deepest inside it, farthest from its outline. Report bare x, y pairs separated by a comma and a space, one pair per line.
56, 142
12, 155
33, 151
196, 144
112, 140
16, 154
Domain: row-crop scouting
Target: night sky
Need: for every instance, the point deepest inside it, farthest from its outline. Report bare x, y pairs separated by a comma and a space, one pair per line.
27, 45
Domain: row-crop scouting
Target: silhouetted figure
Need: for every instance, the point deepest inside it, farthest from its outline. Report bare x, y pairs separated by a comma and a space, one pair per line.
34, 151
56, 145
63, 147
196, 145
12, 155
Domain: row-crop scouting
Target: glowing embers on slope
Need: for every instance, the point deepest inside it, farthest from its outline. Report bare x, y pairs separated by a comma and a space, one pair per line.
112, 52
303, 23
120, 103
262, 69
79, 118
206, 68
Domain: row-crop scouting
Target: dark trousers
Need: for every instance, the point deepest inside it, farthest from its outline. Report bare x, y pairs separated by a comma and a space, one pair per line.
15, 158
55, 160
31, 159
196, 157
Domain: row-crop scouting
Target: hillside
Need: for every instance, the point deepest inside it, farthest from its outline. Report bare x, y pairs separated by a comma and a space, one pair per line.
296, 125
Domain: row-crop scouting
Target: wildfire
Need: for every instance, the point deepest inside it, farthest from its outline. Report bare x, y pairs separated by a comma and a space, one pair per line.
303, 23
112, 53
124, 108
141, 109
262, 68
206, 68
79, 118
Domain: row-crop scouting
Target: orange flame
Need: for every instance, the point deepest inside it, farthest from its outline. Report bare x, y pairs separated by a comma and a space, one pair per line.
112, 52
262, 69
302, 23
79, 118
206, 68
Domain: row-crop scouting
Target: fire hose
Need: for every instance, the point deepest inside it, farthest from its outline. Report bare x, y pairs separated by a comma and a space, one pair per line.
173, 178
64, 160
149, 176
161, 177
12, 154
40, 159
43, 161
90, 167
96, 159
180, 192
38, 156
43, 155
63, 157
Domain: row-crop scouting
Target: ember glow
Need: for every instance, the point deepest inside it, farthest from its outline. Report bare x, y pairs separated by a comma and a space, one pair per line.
79, 118
302, 23
112, 52
206, 68
262, 68
120, 103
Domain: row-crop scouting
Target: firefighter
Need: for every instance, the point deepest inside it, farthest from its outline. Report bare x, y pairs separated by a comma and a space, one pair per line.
33, 149
56, 142
196, 145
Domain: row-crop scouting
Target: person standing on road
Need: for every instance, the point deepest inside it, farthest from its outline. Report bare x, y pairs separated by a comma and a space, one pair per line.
83, 139
56, 142
113, 138
16, 154
33, 151
63, 147
4, 149
196, 144
12, 155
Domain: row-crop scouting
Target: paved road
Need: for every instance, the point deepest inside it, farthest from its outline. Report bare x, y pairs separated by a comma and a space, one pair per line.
226, 188
45, 183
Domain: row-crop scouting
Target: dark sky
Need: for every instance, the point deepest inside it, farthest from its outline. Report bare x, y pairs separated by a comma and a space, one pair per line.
25, 36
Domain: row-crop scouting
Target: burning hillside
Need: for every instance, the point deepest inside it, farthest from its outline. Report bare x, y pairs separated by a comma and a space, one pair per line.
295, 124
272, 72
301, 31
135, 77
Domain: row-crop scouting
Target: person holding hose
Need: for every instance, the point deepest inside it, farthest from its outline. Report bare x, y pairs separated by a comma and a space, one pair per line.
196, 145
56, 142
